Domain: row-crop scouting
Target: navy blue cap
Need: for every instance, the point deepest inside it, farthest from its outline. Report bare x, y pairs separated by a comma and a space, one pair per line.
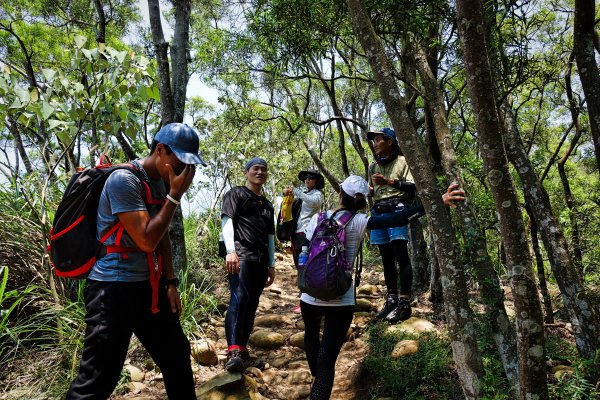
255, 161
183, 140
387, 132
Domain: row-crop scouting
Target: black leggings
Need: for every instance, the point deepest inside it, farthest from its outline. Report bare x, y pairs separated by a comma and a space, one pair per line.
322, 354
245, 289
392, 253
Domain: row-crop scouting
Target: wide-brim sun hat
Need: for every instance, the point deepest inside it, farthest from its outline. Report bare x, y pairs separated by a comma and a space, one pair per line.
183, 140
354, 185
320, 179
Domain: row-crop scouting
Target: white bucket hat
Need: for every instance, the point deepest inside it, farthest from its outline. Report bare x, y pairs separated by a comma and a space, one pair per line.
354, 185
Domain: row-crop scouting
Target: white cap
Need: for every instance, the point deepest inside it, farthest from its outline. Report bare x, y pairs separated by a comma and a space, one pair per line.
354, 185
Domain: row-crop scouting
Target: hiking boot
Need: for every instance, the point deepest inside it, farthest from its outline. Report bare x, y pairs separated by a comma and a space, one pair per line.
234, 362
390, 304
402, 312
250, 361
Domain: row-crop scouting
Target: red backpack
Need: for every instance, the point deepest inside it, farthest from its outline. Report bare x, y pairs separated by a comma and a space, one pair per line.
73, 246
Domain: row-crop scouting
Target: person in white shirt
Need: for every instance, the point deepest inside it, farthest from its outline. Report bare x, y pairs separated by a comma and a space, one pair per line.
322, 353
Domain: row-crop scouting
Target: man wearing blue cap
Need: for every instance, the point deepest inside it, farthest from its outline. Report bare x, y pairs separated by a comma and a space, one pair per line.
249, 235
393, 188
126, 293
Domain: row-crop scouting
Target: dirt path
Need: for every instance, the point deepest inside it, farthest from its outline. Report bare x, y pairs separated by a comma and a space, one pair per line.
287, 375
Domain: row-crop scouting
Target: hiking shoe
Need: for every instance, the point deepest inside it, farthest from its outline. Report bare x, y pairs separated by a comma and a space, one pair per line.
234, 362
250, 361
400, 313
390, 304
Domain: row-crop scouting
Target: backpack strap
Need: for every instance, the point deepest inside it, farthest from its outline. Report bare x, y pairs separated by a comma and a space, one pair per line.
358, 266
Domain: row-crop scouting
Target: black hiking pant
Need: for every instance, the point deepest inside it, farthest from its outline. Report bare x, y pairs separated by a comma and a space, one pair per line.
396, 252
115, 311
322, 354
245, 289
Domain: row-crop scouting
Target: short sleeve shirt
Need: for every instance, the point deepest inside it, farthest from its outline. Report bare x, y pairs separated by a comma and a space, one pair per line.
123, 192
397, 169
253, 220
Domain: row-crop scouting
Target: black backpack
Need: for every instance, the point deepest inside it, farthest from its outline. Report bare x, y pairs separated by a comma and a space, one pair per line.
73, 245
285, 230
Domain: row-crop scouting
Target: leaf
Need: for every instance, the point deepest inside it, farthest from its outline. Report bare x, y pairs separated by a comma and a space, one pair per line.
88, 54
16, 104
63, 136
23, 94
153, 92
121, 56
53, 123
80, 41
35, 96
49, 74
47, 110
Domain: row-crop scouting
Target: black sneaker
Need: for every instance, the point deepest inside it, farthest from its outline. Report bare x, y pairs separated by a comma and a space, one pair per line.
401, 313
234, 362
390, 304
250, 361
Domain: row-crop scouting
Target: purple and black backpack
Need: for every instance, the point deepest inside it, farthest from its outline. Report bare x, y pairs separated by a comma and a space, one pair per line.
327, 273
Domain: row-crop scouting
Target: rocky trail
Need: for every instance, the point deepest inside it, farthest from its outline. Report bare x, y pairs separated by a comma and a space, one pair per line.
278, 340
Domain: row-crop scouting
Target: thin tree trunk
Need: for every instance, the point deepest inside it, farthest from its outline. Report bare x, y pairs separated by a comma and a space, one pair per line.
589, 75
180, 56
14, 130
418, 255
530, 344
541, 273
435, 285
474, 237
161, 49
584, 318
458, 313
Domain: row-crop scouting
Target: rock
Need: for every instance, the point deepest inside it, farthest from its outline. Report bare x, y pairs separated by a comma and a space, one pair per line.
368, 290
562, 371
267, 339
136, 374
299, 392
297, 340
255, 372
221, 332
275, 289
364, 305
264, 304
135, 387
204, 352
300, 324
269, 375
413, 325
272, 320
405, 348
218, 381
280, 362
297, 365
299, 376
363, 319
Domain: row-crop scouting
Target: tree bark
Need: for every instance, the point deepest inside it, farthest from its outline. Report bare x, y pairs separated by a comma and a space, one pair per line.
583, 316
541, 272
474, 237
180, 56
418, 255
161, 48
589, 75
458, 313
530, 333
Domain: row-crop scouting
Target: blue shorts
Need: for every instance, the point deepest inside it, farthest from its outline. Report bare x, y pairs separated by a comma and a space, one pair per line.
387, 235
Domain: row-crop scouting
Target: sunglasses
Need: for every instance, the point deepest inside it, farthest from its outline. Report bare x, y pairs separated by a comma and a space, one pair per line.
310, 177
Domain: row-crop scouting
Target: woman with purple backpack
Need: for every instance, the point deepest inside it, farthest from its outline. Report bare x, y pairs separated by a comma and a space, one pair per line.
322, 353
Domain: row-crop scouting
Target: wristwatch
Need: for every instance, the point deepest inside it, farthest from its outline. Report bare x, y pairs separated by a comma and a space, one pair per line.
174, 282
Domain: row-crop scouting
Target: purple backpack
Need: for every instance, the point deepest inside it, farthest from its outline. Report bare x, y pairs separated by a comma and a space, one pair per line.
327, 273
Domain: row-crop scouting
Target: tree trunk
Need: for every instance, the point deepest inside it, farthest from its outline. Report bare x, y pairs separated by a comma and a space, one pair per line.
435, 285
474, 236
161, 49
458, 313
418, 255
541, 273
180, 56
589, 75
583, 316
530, 344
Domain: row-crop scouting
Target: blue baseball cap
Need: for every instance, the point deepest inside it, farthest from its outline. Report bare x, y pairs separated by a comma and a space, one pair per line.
387, 132
183, 140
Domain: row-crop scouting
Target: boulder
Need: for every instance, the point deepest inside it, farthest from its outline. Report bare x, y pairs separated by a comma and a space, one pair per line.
364, 305
413, 325
367, 290
272, 320
297, 340
136, 374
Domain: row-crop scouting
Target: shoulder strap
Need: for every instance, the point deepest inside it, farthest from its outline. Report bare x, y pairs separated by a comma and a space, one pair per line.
358, 265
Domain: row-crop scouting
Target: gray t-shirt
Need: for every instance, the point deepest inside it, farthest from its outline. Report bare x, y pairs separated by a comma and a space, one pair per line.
123, 192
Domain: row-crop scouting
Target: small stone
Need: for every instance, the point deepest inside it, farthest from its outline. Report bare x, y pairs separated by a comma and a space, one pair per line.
299, 376
368, 289
363, 305
413, 325
204, 352
272, 320
405, 348
135, 387
136, 374
297, 340
267, 339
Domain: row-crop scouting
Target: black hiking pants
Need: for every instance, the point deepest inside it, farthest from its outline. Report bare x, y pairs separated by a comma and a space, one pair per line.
245, 289
322, 354
115, 311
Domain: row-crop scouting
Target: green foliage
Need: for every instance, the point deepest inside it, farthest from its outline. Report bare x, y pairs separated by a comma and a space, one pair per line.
573, 387
411, 377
